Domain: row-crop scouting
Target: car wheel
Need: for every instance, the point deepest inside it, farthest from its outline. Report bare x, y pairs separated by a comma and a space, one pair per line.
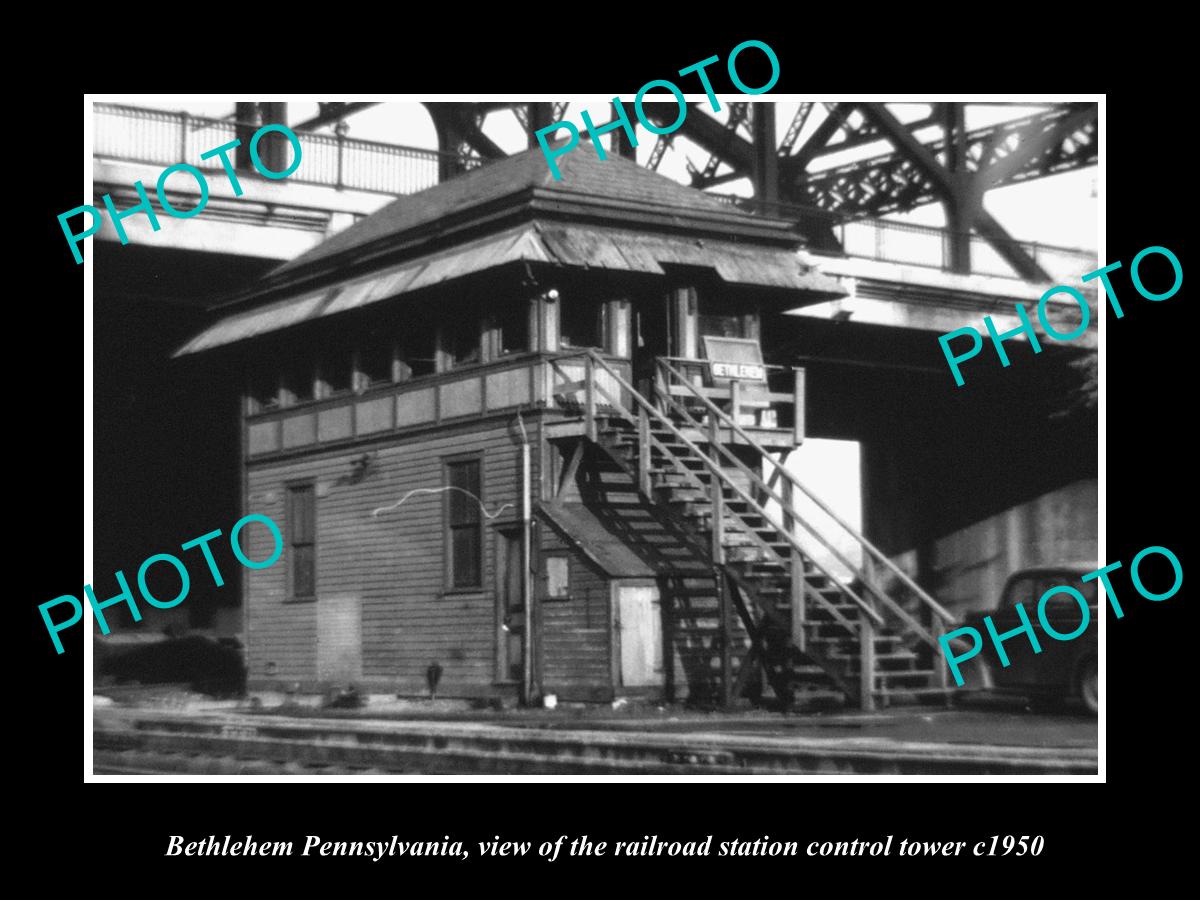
1089, 684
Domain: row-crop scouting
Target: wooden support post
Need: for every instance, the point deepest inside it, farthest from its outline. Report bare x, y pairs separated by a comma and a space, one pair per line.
872, 579
799, 592
643, 439
799, 586
786, 492
798, 400
726, 640
589, 401
940, 667
751, 668
866, 671
735, 401
670, 590
716, 496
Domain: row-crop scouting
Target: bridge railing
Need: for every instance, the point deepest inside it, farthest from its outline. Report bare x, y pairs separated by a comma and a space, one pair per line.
888, 240
162, 137
135, 134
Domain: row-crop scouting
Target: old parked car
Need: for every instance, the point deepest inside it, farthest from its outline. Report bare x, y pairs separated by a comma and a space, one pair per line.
1064, 670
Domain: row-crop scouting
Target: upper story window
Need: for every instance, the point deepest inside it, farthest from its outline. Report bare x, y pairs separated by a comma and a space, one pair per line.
721, 317
263, 390
511, 326
376, 361
298, 377
461, 341
723, 326
416, 354
335, 370
581, 323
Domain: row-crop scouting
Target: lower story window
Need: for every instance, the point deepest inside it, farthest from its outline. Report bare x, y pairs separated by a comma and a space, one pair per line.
464, 525
302, 537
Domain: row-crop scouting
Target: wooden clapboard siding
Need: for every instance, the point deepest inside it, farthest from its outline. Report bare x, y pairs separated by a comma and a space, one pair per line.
576, 645
392, 565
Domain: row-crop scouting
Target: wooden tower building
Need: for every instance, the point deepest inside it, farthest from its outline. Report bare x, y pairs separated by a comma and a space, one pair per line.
520, 438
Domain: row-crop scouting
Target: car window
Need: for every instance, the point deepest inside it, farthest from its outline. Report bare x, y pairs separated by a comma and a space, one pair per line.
1020, 590
1062, 602
1028, 589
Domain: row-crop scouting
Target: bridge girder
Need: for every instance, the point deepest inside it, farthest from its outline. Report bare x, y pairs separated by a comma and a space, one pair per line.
1043, 144
955, 167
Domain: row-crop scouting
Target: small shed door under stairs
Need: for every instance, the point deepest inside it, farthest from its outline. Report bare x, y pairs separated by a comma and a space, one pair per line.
639, 612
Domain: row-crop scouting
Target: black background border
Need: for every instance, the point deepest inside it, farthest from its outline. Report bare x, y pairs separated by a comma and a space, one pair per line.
1147, 452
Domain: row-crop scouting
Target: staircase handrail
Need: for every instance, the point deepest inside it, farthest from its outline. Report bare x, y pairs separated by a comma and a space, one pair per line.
771, 493
861, 539
895, 608
713, 467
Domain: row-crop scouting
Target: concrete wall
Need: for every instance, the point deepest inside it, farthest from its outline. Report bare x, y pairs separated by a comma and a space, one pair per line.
968, 567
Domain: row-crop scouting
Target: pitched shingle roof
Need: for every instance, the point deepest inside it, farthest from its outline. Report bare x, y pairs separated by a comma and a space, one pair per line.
614, 181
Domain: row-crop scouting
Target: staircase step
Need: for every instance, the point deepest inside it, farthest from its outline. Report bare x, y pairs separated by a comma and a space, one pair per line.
910, 675
819, 614
911, 691
746, 553
829, 633
760, 561
691, 568
764, 570
694, 582
892, 663
683, 494
880, 639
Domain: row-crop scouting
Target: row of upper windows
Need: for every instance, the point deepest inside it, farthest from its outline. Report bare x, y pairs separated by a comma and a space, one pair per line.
410, 350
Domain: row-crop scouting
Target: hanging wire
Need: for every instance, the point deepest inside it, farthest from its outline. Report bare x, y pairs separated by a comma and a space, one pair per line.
482, 508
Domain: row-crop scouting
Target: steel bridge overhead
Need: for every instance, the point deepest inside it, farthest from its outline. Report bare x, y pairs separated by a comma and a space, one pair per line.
809, 172
932, 159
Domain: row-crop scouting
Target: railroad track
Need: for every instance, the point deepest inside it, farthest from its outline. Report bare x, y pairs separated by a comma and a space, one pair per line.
128, 742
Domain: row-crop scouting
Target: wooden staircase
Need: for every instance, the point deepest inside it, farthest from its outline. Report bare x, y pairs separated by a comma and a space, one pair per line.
874, 639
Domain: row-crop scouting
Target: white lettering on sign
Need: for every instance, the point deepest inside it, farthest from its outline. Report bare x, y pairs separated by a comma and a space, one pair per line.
739, 370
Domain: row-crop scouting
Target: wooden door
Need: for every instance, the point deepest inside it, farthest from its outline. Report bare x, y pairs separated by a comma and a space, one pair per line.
639, 613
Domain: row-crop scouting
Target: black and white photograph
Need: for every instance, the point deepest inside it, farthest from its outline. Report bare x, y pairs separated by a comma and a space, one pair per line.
739, 434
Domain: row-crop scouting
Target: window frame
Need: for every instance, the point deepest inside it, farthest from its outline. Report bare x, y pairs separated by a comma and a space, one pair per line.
495, 330
326, 364
600, 322
293, 489
448, 528
446, 337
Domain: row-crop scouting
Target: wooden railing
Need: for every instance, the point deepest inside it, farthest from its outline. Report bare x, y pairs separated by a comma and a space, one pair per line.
646, 411
678, 384
746, 399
